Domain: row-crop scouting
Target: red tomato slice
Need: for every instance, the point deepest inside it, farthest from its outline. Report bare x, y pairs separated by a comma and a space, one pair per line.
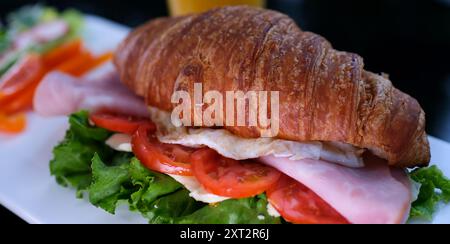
231, 178
164, 158
119, 122
20, 101
22, 74
298, 204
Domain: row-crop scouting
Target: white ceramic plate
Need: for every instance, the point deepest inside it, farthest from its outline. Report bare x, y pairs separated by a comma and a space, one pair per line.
28, 190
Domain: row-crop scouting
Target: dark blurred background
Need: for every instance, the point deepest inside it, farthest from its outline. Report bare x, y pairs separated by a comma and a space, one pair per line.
408, 39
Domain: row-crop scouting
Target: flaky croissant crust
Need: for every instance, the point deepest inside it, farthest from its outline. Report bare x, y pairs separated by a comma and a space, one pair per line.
325, 94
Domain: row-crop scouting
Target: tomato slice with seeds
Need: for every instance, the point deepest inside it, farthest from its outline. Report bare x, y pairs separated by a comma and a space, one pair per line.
298, 204
20, 101
231, 178
119, 122
161, 157
17, 86
27, 71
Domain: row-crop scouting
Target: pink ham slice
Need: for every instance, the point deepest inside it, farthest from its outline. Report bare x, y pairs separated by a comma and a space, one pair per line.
62, 94
374, 194
42, 33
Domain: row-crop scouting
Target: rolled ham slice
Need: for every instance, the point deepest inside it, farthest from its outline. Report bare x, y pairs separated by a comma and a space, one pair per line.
376, 194
62, 94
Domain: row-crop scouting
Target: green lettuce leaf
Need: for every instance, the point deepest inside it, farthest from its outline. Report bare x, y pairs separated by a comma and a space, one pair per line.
127, 181
75, 20
107, 184
120, 158
162, 200
9, 61
71, 158
435, 187
233, 211
83, 161
4, 40
151, 186
79, 124
71, 163
144, 189
167, 209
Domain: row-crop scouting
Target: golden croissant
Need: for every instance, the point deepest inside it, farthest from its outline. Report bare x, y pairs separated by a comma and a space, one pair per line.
325, 94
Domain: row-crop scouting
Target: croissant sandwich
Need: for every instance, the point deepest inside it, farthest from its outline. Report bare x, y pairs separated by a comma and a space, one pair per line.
326, 95
344, 136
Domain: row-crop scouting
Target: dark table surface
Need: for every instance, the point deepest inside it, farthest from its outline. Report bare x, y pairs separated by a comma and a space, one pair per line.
409, 40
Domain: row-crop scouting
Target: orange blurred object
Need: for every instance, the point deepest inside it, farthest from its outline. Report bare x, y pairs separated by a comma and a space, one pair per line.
182, 7
102, 58
13, 123
92, 63
62, 53
83, 62
72, 66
